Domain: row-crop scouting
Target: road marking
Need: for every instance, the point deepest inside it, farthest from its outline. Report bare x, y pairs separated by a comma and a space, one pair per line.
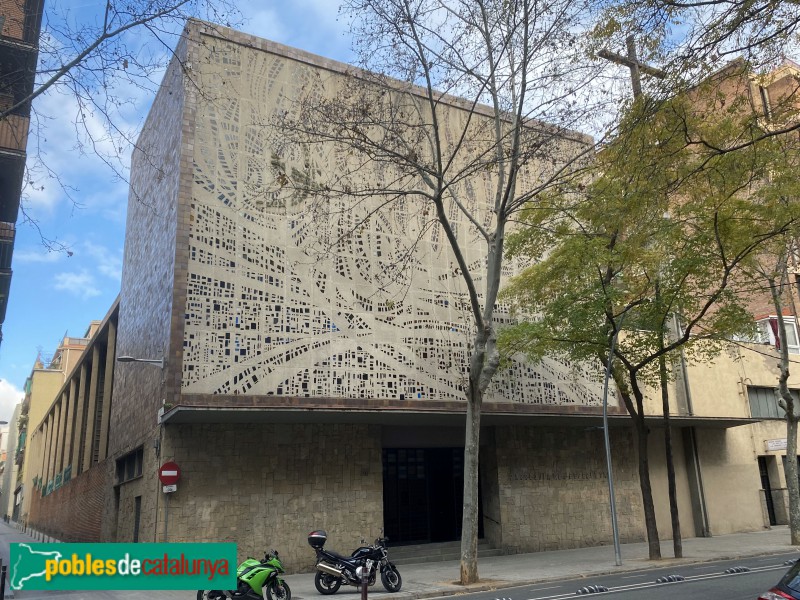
552, 587
633, 576
645, 585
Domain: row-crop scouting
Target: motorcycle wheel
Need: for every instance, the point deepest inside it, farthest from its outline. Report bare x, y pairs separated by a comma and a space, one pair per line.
391, 580
326, 584
278, 591
210, 595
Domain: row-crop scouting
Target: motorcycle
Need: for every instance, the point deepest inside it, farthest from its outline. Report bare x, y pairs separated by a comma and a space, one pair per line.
256, 580
334, 569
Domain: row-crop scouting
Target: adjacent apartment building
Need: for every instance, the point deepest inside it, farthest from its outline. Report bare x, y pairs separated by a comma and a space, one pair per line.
20, 21
295, 395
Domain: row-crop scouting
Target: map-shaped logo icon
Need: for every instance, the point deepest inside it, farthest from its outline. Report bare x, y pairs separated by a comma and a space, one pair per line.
27, 563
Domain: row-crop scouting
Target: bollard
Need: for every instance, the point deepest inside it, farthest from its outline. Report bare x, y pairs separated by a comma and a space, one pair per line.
3, 582
364, 571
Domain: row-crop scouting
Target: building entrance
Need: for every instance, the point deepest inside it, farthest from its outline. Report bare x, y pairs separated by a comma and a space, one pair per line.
423, 490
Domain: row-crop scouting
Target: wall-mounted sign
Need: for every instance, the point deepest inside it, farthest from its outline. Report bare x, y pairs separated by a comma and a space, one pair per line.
775, 445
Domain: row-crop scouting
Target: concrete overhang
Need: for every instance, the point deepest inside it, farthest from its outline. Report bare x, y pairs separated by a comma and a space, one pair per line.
585, 417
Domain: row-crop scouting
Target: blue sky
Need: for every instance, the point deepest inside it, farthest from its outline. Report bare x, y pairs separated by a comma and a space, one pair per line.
53, 294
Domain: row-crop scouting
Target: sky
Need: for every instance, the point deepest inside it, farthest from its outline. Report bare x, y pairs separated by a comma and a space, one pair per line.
58, 293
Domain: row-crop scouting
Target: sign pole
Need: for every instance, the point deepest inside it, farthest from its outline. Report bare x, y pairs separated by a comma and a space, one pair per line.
166, 515
168, 474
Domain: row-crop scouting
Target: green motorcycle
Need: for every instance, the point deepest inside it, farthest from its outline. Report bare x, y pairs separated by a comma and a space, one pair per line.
256, 580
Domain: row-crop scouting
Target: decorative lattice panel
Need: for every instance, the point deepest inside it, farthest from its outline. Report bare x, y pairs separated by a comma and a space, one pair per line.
292, 296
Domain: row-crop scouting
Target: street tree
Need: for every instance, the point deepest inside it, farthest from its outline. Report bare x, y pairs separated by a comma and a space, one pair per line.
778, 281
463, 115
666, 229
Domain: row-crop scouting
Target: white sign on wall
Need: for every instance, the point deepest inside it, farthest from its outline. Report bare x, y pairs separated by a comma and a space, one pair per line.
775, 445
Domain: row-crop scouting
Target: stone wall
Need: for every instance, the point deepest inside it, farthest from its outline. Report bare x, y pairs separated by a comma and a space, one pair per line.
120, 508
554, 488
267, 486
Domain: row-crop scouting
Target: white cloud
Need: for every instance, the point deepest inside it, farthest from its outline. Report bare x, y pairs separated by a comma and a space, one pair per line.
108, 262
37, 256
80, 284
10, 396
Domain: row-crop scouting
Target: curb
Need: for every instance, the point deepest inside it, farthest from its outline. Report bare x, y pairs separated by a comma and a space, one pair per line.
490, 585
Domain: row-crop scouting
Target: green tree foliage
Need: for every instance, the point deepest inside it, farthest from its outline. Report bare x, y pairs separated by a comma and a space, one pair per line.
668, 226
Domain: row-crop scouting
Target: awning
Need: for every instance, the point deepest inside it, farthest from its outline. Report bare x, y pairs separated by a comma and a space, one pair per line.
550, 416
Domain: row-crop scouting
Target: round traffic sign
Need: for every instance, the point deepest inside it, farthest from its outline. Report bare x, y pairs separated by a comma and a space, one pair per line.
169, 473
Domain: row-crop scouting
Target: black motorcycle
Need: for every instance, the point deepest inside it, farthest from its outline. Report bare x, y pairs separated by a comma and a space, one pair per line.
334, 569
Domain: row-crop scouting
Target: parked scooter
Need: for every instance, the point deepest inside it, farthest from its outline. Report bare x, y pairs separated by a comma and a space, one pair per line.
334, 569
256, 580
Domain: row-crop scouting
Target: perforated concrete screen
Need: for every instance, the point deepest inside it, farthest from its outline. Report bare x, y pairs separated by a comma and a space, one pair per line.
291, 296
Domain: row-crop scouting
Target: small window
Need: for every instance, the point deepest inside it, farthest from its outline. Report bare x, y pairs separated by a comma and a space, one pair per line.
130, 466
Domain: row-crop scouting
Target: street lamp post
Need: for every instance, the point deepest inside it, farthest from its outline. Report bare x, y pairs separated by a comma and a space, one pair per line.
151, 361
611, 498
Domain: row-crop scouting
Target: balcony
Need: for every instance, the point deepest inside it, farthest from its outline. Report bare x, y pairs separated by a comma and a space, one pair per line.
14, 133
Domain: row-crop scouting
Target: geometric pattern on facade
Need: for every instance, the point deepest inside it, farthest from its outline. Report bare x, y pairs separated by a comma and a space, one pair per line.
284, 300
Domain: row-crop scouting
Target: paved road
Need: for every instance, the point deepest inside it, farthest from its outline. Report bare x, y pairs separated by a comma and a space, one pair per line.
701, 581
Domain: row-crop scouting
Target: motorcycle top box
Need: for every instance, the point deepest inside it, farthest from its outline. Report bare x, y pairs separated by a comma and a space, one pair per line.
317, 539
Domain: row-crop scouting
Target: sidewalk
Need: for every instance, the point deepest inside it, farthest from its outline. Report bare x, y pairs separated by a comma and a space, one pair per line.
437, 579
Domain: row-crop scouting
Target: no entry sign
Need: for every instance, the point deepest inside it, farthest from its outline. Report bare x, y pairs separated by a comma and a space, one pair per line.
169, 473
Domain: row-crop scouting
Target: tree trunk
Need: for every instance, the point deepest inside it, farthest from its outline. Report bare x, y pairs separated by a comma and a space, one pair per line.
640, 427
469, 521
653, 544
792, 484
787, 403
677, 540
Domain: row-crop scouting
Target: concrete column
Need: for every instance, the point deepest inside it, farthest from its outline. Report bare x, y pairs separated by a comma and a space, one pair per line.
60, 417
55, 414
48, 447
69, 433
111, 355
80, 409
88, 446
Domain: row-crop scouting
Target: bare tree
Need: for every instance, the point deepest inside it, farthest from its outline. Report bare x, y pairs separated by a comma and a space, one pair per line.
104, 64
466, 111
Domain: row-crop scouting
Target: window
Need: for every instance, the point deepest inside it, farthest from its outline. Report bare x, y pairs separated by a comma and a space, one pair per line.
764, 402
767, 328
130, 466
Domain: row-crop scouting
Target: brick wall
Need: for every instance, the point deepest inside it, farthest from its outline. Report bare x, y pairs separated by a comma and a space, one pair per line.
73, 513
14, 12
147, 276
